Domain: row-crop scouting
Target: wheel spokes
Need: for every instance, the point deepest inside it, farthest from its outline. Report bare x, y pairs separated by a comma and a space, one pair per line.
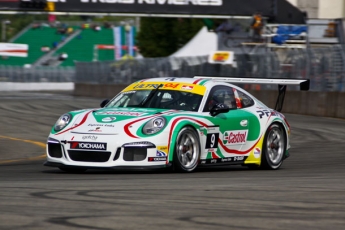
275, 145
187, 150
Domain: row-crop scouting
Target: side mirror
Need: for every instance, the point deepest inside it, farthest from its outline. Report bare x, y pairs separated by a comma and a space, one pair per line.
103, 103
219, 108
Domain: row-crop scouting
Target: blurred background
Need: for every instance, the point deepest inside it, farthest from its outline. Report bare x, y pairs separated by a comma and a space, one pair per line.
100, 42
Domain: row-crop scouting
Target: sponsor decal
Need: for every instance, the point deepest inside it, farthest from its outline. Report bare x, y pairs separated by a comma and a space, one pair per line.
263, 113
97, 129
160, 154
157, 2
88, 145
109, 119
89, 137
239, 158
101, 125
225, 160
235, 137
163, 149
157, 159
257, 152
136, 114
154, 86
187, 87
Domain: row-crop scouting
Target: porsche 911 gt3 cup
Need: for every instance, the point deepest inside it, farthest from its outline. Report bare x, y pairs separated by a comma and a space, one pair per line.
180, 123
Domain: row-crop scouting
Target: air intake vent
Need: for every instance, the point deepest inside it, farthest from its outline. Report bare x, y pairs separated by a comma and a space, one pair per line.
134, 154
54, 150
89, 156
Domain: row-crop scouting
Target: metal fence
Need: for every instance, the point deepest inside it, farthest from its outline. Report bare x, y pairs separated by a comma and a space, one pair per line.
324, 66
36, 74
126, 71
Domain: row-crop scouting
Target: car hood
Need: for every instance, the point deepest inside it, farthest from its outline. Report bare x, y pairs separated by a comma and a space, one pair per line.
112, 120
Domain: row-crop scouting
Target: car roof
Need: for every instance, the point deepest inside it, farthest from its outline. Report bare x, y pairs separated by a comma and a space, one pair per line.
171, 79
196, 81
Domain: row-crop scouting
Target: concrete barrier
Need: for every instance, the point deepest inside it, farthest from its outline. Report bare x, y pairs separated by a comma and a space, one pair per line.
325, 104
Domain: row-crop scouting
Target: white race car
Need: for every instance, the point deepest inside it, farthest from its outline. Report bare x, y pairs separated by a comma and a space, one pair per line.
181, 123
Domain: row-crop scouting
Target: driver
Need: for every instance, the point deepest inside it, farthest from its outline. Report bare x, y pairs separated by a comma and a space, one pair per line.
215, 100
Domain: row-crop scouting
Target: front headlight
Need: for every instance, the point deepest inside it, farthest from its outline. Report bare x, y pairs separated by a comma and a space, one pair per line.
154, 125
62, 122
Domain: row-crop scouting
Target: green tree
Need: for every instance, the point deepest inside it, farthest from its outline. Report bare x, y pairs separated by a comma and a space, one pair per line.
160, 37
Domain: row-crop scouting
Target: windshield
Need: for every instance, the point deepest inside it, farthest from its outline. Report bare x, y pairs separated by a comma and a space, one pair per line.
162, 99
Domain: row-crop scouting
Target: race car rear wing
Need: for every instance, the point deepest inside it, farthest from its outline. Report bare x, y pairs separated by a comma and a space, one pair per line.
282, 83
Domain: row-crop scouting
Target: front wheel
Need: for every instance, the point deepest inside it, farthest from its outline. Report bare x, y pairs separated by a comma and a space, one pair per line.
187, 150
274, 147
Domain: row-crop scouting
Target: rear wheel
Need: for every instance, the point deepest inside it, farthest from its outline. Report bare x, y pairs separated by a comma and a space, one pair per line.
73, 169
274, 147
187, 150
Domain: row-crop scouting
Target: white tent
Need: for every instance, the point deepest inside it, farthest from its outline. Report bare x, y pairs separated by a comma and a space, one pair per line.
203, 43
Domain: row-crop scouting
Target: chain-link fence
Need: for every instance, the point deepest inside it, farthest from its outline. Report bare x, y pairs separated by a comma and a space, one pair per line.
36, 74
324, 66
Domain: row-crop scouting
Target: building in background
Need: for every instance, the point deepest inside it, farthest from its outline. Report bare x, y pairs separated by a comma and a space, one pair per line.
321, 8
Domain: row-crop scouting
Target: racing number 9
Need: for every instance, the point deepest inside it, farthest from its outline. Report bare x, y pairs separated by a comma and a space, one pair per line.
212, 140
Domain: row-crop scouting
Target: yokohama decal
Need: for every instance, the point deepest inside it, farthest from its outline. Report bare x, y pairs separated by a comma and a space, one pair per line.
88, 145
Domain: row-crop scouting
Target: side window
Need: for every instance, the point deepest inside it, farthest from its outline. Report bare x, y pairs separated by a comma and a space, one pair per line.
220, 94
245, 99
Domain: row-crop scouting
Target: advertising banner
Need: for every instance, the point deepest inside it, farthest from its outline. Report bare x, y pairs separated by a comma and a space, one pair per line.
118, 42
130, 37
14, 49
280, 10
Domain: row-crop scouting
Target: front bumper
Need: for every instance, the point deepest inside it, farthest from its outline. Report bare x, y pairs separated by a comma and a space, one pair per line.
149, 167
107, 151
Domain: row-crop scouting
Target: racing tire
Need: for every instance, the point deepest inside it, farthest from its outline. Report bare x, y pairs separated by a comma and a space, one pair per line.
73, 169
187, 150
274, 147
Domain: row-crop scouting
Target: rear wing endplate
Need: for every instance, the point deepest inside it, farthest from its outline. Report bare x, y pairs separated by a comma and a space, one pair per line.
304, 84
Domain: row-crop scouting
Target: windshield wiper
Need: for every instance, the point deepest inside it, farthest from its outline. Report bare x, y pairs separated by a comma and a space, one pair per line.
149, 97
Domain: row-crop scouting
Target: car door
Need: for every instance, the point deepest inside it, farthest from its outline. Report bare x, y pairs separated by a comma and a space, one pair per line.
253, 115
235, 126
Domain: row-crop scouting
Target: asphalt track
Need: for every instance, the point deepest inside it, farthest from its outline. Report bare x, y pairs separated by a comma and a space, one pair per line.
308, 192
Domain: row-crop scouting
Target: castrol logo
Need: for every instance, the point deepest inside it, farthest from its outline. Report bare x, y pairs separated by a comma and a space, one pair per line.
235, 137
